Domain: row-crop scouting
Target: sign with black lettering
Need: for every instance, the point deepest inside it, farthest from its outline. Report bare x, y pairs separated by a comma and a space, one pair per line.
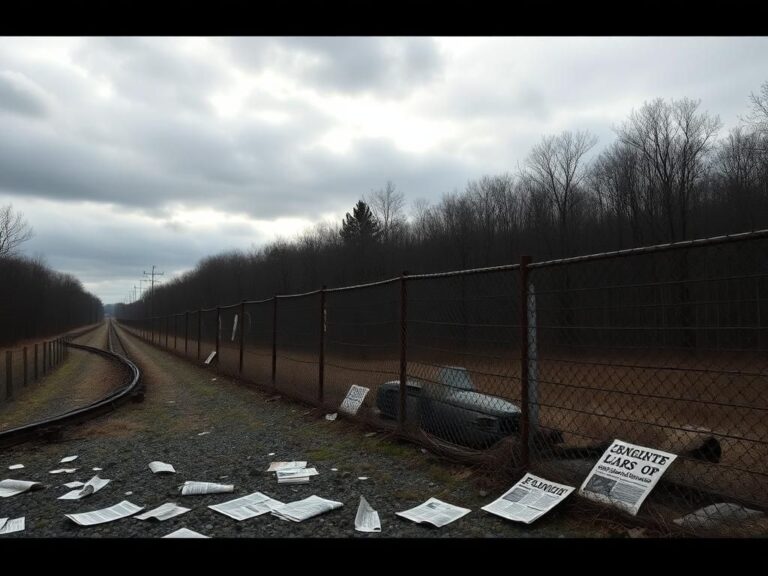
529, 499
625, 474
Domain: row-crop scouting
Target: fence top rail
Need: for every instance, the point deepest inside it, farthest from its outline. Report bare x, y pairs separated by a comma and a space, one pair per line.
285, 296
700, 242
468, 272
366, 285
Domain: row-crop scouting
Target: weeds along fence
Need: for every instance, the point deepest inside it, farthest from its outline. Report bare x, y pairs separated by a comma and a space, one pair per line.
24, 366
663, 346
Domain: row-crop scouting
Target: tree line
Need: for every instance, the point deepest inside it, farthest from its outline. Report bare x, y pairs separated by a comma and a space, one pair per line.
36, 301
666, 177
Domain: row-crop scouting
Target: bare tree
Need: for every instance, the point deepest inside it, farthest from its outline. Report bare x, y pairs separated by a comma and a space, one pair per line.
556, 166
14, 230
387, 205
758, 117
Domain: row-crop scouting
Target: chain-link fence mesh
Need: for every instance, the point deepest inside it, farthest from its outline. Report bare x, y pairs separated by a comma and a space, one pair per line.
18, 365
544, 364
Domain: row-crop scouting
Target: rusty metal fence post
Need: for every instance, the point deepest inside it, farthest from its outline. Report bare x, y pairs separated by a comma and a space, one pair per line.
175, 331
218, 336
321, 363
274, 340
242, 338
186, 333
199, 331
403, 349
167, 318
524, 409
9, 374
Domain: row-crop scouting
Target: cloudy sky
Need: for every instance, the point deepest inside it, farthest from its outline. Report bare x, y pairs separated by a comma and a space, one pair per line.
128, 152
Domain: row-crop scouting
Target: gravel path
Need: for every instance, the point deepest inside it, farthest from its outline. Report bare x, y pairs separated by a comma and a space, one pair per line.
245, 425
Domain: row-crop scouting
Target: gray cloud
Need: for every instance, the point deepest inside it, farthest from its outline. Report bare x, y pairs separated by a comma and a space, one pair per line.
19, 95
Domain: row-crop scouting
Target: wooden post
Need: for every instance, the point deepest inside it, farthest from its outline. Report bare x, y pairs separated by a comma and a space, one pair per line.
321, 363
274, 340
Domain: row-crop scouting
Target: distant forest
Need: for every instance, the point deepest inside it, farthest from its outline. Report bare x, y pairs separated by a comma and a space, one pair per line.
668, 176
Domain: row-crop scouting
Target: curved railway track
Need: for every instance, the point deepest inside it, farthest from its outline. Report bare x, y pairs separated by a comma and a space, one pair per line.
51, 427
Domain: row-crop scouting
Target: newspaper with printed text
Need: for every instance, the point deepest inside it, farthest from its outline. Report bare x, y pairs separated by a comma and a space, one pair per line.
529, 499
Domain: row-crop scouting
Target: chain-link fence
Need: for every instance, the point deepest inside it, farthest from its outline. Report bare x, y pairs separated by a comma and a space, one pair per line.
24, 366
537, 366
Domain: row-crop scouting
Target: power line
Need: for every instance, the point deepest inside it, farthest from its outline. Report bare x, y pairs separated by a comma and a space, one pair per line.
152, 286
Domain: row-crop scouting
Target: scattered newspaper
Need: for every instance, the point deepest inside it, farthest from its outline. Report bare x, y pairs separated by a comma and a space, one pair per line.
10, 487
210, 357
249, 506
158, 467
7, 525
529, 499
331, 417
716, 515
16, 467
435, 512
625, 475
196, 488
91, 487
274, 466
67, 459
63, 471
303, 509
185, 533
354, 399
75, 484
116, 512
97, 469
367, 519
292, 475
234, 328
164, 512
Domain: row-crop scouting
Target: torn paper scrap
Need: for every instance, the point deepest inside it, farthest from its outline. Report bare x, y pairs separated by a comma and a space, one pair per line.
63, 471
331, 417
204, 433
10, 487
287, 475
196, 488
97, 469
234, 327
185, 533
367, 519
68, 459
362, 477
159, 467
435, 512
116, 512
249, 506
164, 512
75, 484
91, 487
7, 526
625, 474
210, 357
271, 454
16, 467
129, 493
304, 509
274, 466
716, 515
354, 399
529, 499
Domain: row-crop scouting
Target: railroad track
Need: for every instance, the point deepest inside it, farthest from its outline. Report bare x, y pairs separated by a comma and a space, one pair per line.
51, 428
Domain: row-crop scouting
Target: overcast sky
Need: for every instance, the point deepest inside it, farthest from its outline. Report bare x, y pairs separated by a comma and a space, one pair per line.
128, 152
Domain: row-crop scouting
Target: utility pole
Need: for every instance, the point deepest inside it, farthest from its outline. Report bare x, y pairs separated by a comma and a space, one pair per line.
152, 287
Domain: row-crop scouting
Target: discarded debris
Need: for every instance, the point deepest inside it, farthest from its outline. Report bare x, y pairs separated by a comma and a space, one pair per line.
295, 475
275, 466
370, 434
10, 487
304, 509
367, 519
334, 469
331, 417
116, 512
97, 469
16, 467
529, 499
354, 399
7, 526
91, 487
68, 459
164, 512
234, 327
63, 470
271, 454
204, 433
717, 515
75, 484
195, 488
158, 467
362, 477
185, 533
246, 507
210, 357
129, 493
435, 512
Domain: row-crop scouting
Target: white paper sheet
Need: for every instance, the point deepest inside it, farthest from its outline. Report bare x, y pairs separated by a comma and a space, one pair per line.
91, 487
354, 399
196, 488
11, 525
185, 533
304, 509
331, 417
367, 519
67, 459
294, 473
625, 474
10, 487
249, 506
16, 467
160, 467
63, 471
274, 466
529, 499
435, 512
210, 357
75, 484
165, 512
116, 512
